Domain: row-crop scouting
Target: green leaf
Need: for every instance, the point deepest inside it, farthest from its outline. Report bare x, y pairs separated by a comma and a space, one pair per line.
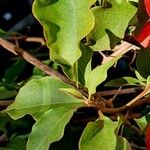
3, 121
88, 70
140, 78
122, 144
6, 94
124, 81
51, 108
96, 76
50, 127
17, 142
110, 21
73, 92
142, 123
38, 96
147, 83
143, 62
83, 61
101, 135
65, 23
147, 117
14, 71
3, 33
37, 71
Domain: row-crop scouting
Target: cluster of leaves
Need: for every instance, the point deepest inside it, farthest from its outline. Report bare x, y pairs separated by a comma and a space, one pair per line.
74, 30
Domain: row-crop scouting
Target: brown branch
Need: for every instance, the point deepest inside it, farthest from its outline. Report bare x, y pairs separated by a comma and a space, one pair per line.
139, 96
3, 138
35, 39
120, 92
27, 39
124, 108
101, 104
6, 102
37, 63
119, 50
49, 71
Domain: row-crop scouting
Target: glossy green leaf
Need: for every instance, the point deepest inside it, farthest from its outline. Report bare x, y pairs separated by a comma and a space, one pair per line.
96, 76
140, 78
101, 135
142, 123
38, 96
88, 70
65, 23
122, 144
143, 62
50, 127
110, 20
83, 61
124, 81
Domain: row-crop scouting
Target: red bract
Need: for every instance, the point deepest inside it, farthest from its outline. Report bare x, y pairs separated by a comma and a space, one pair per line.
148, 137
144, 35
147, 6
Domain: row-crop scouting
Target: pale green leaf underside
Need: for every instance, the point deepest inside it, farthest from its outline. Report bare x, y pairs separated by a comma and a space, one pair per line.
114, 19
38, 96
101, 135
49, 127
65, 23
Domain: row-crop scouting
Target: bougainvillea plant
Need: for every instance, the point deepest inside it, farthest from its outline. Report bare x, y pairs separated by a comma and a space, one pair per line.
77, 32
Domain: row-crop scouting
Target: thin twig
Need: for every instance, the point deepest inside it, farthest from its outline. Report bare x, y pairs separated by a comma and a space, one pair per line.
35, 39
110, 102
124, 108
135, 146
31, 59
28, 39
37, 63
120, 92
6, 102
119, 50
139, 96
